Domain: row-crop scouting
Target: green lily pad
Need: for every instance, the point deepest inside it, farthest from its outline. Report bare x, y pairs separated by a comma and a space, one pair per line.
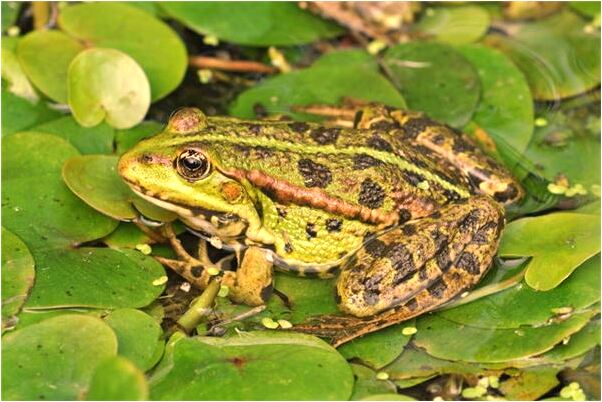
577, 345
148, 40
17, 274
454, 25
379, 348
87, 140
56, 358
436, 79
126, 139
13, 73
20, 114
256, 365
506, 108
320, 84
558, 243
10, 12
447, 340
521, 305
45, 57
95, 180
107, 84
138, 337
589, 8
366, 383
559, 57
530, 384
127, 235
117, 379
388, 397
255, 24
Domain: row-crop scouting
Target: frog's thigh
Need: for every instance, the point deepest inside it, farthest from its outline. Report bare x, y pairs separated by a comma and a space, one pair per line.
423, 263
253, 283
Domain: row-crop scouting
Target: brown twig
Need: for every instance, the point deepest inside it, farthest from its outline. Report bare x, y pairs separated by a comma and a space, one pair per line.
243, 66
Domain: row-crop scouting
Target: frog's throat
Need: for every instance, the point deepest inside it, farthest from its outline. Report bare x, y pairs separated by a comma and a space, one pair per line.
287, 193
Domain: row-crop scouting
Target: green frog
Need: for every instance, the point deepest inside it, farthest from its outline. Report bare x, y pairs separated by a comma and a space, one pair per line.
406, 211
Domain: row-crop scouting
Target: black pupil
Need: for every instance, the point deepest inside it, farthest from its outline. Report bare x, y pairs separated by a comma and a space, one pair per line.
192, 162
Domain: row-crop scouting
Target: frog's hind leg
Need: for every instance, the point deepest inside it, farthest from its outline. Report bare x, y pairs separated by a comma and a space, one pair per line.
414, 268
448, 146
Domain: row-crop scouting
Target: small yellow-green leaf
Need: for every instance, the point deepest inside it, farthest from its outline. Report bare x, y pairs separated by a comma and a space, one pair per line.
455, 25
106, 84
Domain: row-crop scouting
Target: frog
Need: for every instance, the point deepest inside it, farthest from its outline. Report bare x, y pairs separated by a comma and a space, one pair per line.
406, 212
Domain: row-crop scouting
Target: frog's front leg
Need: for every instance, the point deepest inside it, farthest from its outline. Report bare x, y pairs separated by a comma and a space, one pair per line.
414, 268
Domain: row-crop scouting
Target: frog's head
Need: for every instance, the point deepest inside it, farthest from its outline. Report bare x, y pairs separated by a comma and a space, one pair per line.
177, 171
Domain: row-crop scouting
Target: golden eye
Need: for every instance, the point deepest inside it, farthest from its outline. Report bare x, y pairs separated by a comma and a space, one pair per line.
193, 165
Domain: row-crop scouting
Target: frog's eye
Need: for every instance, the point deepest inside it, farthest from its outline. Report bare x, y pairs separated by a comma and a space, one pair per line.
193, 165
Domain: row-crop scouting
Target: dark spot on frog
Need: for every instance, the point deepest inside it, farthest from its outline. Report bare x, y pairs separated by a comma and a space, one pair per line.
451, 195
404, 215
259, 110
403, 263
238, 362
363, 161
469, 263
481, 236
254, 128
299, 127
412, 178
435, 215
443, 260
375, 248
439, 139
266, 292
196, 271
384, 124
408, 229
469, 220
437, 289
371, 194
371, 288
371, 298
281, 211
146, 159
337, 296
510, 193
461, 145
411, 304
314, 174
439, 238
413, 127
262, 152
310, 230
325, 135
288, 247
378, 143
333, 225
357, 118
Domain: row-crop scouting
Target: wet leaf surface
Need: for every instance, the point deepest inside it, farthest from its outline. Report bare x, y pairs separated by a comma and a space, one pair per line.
454, 25
366, 383
134, 32
87, 140
117, 379
436, 79
255, 365
255, 24
106, 84
560, 240
18, 274
20, 114
319, 84
62, 354
127, 235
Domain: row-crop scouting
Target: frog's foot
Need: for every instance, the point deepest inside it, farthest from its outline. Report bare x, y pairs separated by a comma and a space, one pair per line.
415, 268
254, 278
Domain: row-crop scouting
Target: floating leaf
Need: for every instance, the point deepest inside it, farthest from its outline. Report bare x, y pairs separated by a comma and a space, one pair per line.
149, 41
255, 24
13, 73
577, 345
10, 12
255, 365
506, 108
388, 397
521, 305
106, 84
95, 180
20, 114
445, 339
589, 8
94, 140
366, 383
558, 243
117, 379
126, 139
137, 336
320, 84
127, 235
529, 384
45, 57
56, 358
434, 78
454, 25
17, 274
559, 57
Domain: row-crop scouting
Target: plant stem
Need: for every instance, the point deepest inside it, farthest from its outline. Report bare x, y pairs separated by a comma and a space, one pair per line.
200, 307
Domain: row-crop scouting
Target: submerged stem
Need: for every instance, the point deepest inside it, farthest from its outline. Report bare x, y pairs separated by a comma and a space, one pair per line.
200, 307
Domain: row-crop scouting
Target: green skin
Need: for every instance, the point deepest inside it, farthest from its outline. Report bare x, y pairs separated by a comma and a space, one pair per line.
408, 210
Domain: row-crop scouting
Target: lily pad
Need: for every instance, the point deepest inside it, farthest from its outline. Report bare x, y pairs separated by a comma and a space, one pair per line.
589, 8
506, 109
106, 84
10, 11
95, 180
148, 40
255, 24
126, 139
577, 345
321, 84
521, 305
45, 57
455, 25
17, 274
19, 114
56, 358
436, 79
13, 73
117, 379
137, 336
559, 57
558, 243
127, 235
447, 340
88, 140
366, 383
254, 365
530, 384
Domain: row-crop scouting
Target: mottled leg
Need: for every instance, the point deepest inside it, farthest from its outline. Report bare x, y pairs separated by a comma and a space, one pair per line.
254, 281
414, 268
